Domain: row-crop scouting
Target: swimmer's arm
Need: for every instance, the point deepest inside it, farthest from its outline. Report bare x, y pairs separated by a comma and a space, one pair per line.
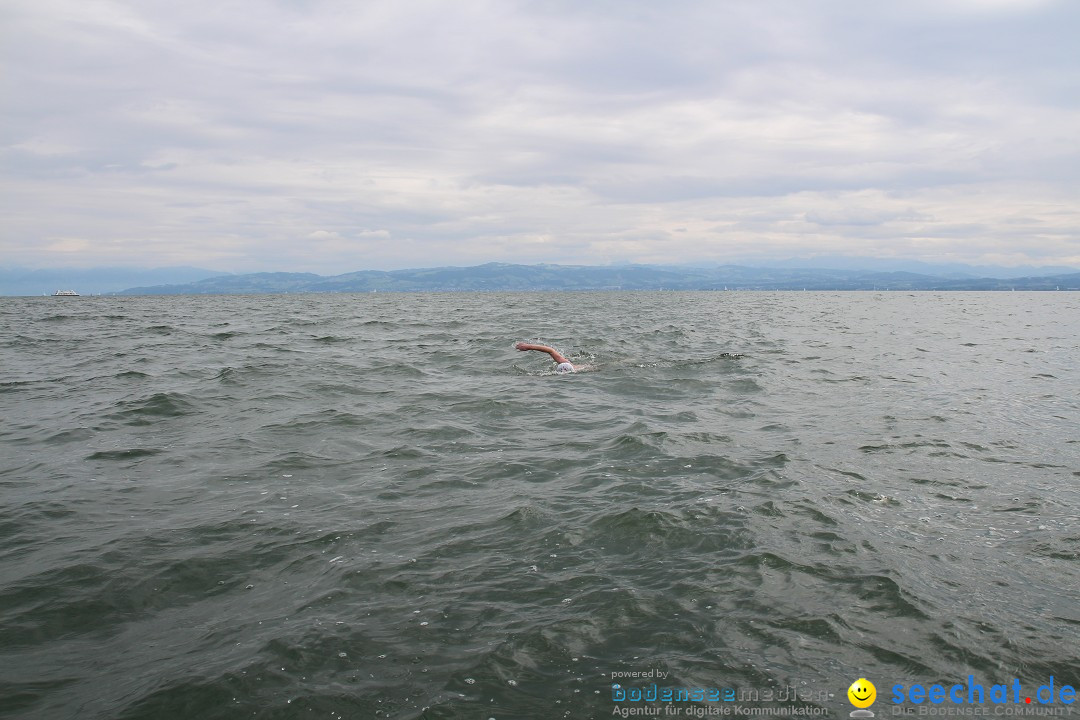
555, 354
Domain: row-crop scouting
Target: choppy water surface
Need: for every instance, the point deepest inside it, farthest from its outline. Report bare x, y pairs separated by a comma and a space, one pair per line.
359, 506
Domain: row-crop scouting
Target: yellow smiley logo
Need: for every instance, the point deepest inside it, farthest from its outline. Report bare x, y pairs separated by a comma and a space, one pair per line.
862, 693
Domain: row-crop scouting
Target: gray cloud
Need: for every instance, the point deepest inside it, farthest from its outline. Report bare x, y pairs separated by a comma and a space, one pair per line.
328, 135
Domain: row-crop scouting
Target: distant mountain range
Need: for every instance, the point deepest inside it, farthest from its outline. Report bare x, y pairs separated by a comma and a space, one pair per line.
770, 275
501, 276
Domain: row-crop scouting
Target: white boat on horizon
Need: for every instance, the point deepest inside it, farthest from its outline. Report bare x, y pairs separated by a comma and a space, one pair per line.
65, 293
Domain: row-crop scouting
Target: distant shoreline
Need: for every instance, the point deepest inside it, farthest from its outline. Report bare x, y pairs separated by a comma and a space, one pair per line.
501, 277
438, 291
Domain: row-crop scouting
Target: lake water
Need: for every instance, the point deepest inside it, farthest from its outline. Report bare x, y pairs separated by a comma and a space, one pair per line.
371, 505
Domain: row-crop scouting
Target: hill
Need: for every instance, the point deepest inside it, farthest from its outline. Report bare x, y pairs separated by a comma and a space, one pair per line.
501, 277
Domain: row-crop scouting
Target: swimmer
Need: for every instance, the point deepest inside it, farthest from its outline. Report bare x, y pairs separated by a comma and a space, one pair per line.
563, 365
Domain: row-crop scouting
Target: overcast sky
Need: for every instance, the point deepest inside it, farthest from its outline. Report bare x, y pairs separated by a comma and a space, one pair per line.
331, 136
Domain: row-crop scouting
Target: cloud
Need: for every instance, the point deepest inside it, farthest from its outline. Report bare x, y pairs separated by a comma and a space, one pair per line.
326, 136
